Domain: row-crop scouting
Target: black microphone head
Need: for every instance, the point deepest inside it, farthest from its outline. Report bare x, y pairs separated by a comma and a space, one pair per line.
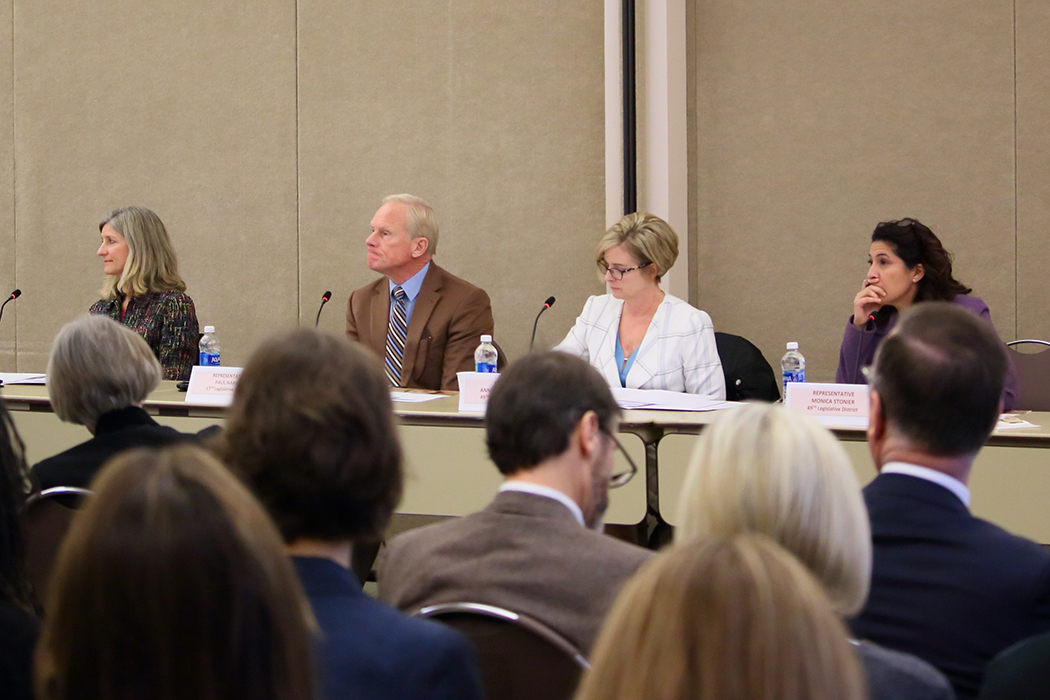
549, 303
326, 296
17, 293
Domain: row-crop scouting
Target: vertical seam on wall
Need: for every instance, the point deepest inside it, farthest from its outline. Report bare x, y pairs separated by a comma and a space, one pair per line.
1017, 264
298, 194
14, 179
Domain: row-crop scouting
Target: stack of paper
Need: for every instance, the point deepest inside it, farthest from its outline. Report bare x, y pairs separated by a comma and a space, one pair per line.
660, 400
22, 378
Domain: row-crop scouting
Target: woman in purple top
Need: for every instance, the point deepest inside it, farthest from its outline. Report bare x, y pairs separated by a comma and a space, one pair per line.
907, 265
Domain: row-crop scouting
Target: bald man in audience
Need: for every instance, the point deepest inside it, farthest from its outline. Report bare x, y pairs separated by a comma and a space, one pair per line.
946, 586
538, 548
424, 323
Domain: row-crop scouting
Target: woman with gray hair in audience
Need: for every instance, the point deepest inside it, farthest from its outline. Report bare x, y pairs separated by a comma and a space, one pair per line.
99, 375
767, 469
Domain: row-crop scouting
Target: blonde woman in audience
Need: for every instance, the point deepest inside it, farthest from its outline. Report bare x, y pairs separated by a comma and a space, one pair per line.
173, 584
637, 335
144, 290
733, 618
766, 469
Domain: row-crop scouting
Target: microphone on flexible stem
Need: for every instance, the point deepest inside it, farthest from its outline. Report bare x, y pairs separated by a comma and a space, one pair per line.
10, 297
546, 305
324, 300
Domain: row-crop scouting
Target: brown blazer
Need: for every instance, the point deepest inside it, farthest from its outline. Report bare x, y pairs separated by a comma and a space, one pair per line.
525, 553
447, 323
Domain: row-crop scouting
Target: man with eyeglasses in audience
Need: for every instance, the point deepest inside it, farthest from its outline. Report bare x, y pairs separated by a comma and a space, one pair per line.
538, 548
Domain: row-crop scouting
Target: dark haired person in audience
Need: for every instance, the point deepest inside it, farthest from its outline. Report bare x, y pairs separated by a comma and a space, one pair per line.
946, 586
18, 624
311, 430
723, 619
98, 376
537, 549
906, 265
767, 469
144, 290
420, 320
173, 583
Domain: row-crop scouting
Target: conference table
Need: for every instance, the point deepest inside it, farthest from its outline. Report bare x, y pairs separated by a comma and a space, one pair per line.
448, 473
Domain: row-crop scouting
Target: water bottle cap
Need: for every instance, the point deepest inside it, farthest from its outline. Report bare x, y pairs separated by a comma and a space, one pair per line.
209, 329
486, 338
792, 346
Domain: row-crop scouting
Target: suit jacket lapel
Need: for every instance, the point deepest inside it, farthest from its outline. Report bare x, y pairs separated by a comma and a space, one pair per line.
425, 302
379, 313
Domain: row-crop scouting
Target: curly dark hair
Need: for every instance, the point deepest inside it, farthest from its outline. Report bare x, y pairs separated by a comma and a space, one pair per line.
14, 586
914, 243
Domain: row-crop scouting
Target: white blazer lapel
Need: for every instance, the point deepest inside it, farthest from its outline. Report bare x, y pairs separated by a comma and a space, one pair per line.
648, 356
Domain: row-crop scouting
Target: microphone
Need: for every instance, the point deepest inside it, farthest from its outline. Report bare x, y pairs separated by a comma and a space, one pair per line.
10, 297
324, 300
546, 305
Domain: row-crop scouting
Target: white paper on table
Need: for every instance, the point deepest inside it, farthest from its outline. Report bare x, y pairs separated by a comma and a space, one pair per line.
1012, 421
23, 378
412, 397
660, 400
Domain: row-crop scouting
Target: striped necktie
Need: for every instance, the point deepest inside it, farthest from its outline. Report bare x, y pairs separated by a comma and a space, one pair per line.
395, 337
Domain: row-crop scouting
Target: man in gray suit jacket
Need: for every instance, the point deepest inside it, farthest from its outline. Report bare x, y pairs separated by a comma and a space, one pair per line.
537, 549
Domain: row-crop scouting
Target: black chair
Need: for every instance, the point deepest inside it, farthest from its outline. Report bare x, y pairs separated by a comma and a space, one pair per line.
748, 375
49, 514
1022, 672
520, 658
1033, 374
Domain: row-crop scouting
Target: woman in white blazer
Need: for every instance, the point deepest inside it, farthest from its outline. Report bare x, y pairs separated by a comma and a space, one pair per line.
637, 335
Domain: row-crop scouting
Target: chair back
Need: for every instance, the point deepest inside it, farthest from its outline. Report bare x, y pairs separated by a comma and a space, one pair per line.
520, 658
1033, 374
748, 375
1021, 672
49, 514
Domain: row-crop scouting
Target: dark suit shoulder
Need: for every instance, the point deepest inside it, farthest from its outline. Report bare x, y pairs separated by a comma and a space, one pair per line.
371, 651
893, 675
78, 465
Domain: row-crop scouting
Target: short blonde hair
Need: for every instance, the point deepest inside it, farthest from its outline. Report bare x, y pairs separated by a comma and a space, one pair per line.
648, 238
151, 265
419, 219
765, 468
97, 366
723, 619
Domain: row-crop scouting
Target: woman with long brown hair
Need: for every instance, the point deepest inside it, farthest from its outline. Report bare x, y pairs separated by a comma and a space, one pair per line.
173, 584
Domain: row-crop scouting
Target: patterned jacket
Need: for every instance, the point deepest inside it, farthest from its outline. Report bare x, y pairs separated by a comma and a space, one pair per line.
167, 321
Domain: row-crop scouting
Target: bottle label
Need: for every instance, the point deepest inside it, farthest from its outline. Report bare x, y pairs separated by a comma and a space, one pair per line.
485, 367
209, 359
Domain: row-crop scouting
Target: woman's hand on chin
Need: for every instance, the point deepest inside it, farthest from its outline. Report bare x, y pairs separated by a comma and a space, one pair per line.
868, 301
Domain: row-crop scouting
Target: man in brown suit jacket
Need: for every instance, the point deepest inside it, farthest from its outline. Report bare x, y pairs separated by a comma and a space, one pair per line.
445, 315
538, 548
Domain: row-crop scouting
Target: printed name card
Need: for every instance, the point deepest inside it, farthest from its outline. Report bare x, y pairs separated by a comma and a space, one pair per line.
831, 404
474, 389
213, 385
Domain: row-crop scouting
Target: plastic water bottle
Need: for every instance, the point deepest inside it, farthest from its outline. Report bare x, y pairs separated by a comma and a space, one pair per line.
793, 365
209, 347
485, 357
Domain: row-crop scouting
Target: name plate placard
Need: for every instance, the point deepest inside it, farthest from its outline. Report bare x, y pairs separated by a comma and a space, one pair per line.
213, 385
474, 389
835, 404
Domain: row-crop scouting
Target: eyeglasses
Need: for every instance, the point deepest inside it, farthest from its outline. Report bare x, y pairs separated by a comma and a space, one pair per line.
621, 478
617, 274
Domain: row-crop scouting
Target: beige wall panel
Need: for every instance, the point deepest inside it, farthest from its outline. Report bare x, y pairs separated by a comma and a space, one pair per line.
8, 280
490, 111
187, 108
814, 122
1033, 169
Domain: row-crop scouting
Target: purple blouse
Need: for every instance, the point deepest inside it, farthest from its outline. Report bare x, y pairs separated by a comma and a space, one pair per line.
858, 349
